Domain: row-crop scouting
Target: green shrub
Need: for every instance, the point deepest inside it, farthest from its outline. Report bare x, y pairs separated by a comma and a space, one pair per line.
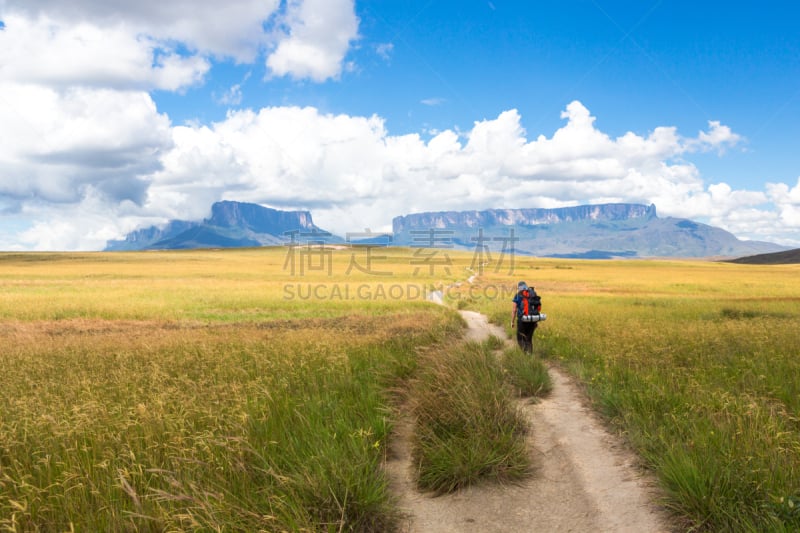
468, 428
527, 374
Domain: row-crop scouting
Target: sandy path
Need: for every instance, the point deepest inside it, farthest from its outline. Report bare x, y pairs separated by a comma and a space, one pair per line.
584, 479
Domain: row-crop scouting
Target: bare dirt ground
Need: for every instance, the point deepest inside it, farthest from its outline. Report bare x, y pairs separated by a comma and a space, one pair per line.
584, 479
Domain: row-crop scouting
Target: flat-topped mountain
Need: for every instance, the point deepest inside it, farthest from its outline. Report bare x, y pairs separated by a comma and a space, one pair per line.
521, 217
231, 225
587, 231
259, 219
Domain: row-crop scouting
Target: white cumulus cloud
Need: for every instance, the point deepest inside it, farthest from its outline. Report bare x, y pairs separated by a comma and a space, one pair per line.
233, 28
317, 36
56, 144
153, 44
56, 53
350, 170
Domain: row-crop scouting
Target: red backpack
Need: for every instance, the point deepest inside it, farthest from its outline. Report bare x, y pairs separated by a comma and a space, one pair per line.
530, 304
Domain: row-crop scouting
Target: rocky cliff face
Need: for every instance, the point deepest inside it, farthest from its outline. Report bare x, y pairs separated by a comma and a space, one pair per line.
231, 224
258, 219
522, 217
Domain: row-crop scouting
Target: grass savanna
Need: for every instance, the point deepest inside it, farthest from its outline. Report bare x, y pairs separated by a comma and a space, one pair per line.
205, 389
697, 363
221, 286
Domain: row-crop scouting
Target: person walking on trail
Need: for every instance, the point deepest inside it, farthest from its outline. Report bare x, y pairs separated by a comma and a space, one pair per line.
526, 304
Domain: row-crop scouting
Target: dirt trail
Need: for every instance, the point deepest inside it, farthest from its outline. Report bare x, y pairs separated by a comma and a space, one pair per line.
584, 479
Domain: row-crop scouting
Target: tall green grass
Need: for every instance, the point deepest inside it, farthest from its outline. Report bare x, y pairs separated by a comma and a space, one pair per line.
526, 374
208, 429
712, 403
468, 428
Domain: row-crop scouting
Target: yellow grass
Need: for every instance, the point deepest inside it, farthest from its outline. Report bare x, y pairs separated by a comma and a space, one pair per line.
236, 285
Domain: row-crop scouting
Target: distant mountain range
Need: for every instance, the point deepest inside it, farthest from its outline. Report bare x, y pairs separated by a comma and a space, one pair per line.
589, 231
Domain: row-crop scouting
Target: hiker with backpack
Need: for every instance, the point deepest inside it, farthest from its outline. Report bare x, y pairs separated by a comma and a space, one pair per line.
526, 315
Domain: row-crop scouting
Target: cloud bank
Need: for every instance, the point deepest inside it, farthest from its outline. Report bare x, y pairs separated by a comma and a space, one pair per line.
86, 156
352, 173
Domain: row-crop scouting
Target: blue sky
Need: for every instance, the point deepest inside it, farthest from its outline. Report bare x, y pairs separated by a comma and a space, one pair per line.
115, 116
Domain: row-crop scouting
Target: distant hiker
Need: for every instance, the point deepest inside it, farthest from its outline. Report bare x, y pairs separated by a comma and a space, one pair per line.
526, 315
